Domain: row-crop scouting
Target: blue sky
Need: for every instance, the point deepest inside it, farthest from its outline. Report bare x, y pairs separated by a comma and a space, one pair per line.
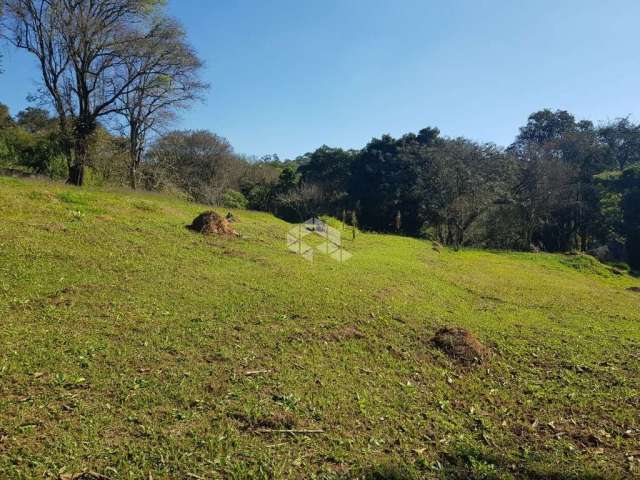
290, 75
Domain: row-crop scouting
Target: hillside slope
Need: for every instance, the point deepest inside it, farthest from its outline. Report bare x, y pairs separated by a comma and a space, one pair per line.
133, 347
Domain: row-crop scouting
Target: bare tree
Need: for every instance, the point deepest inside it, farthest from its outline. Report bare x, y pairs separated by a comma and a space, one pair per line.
199, 163
85, 50
171, 83
304, 199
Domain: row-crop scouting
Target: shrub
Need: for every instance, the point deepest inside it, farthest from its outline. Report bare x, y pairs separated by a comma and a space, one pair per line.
234, 199
57, 167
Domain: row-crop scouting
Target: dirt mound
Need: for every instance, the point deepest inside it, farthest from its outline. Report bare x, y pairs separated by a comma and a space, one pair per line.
461, 346
634, 289
210, 223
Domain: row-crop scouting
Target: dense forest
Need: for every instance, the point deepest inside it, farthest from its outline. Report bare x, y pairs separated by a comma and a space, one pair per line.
116, 73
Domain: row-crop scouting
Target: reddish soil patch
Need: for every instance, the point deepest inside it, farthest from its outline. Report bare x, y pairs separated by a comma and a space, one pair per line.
210, 223
461, 346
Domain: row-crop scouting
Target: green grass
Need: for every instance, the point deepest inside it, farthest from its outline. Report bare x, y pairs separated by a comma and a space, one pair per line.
126, 340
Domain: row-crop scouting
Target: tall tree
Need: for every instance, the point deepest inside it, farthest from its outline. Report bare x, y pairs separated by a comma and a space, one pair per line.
84, 49
546, 126
170, 83
556, 192
329, 168
622, 141
376, 183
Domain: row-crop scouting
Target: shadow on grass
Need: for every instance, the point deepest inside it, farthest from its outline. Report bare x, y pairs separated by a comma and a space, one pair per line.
385, 471
469, 463
472, 464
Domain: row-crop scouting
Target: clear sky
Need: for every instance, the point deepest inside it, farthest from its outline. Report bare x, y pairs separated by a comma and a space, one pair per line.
290, 75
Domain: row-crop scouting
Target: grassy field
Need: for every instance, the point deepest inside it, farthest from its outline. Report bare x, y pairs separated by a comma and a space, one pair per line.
136, 349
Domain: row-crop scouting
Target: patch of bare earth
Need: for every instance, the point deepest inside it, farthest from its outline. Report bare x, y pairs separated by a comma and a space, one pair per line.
210, 223
461, 346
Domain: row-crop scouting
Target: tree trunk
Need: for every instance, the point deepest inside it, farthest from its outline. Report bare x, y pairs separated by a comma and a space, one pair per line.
84, 129
76, 169
135, 153
132, 176
76, 175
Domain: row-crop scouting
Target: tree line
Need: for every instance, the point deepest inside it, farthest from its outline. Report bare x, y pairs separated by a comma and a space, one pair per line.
115, 73
562, 185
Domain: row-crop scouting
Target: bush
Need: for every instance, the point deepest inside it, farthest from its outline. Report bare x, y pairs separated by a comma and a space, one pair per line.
57, 167
260, 197
38, 152
233, 199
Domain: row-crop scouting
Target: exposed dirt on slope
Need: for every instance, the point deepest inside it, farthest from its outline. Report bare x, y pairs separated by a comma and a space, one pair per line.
210, 223
461, 346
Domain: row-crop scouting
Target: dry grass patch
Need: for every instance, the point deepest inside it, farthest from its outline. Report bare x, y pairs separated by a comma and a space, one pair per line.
461, 346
